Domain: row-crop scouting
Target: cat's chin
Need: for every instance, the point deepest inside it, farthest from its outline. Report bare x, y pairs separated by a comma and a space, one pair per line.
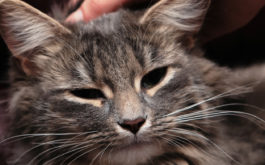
138, 148
136, 152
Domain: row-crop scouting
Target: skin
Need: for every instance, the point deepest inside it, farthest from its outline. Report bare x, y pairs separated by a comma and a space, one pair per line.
224, 17
91, 9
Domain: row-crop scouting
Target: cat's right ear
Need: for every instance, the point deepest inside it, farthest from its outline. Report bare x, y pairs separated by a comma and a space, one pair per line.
27, 32
176, 18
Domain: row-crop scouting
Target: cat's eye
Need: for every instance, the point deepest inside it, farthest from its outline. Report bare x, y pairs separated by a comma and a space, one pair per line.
88, 93
153, 78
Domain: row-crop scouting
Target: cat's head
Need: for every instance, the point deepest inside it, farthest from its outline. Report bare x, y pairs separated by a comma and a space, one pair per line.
128, 85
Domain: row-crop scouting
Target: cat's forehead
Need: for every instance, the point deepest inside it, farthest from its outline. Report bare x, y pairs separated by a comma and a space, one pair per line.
125, 52
117, 39
117, 54
110, 58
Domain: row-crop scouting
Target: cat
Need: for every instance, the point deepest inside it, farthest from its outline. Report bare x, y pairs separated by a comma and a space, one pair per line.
131, 87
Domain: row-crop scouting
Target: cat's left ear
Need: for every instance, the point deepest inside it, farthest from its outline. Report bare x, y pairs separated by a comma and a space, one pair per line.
27, 32
176, 17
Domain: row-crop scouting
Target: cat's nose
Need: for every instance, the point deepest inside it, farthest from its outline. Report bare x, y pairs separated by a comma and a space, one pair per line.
132, 125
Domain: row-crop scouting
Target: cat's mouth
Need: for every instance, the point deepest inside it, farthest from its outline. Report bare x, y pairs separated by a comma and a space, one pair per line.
135, 145
136, 151
135, 142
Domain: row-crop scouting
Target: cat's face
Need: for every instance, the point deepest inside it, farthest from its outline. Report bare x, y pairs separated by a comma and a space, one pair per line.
120, 85
117, 86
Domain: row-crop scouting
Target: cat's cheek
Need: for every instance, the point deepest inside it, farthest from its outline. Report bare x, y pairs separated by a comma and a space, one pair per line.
157, 105
86, 116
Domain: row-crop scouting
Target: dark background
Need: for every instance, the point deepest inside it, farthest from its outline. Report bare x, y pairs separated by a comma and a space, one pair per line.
242, 47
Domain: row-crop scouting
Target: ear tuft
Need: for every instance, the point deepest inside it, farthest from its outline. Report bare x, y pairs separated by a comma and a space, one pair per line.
25, 28
183, 15
28, 32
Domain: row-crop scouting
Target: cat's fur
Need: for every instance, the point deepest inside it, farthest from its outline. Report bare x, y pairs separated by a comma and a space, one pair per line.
186, 113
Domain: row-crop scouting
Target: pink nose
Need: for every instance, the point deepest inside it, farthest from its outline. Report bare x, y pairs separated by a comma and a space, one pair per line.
132, 125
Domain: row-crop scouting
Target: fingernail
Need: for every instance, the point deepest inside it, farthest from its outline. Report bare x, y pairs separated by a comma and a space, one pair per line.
75, 17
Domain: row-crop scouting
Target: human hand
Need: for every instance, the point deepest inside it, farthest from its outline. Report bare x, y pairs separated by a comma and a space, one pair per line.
91, 9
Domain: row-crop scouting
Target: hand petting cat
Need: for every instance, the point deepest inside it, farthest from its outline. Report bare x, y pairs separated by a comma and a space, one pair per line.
228, 15
91, 9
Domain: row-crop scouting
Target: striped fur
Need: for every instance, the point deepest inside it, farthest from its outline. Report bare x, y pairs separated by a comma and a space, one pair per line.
186, 112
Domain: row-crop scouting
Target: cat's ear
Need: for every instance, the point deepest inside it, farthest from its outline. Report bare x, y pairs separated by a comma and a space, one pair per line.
178, 17
27, 32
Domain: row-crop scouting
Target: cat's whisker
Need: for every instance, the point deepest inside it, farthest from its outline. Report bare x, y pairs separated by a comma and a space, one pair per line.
75, 145
180, 139
227, 93
196, 116
186, 132
76, 158
15, 139
65, 153
169, 140
101, 155
241, 104
65, 143
205, 110
54, 149
185, 140
43, 135
61, 141
94, 159
50, 150
218, 113
78, 151
220, 106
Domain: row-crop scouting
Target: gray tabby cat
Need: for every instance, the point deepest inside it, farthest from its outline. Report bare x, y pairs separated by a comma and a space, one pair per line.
127, 88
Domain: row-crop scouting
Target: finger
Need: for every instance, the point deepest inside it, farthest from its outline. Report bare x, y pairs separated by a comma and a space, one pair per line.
73, 2
91, 9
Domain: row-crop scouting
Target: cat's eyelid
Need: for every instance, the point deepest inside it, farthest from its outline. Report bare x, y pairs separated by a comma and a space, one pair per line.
137, 84
107, 91
156, 66
169, 75
94, 102
97, 102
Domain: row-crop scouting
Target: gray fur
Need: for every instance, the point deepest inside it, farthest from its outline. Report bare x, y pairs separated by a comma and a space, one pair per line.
111, 54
